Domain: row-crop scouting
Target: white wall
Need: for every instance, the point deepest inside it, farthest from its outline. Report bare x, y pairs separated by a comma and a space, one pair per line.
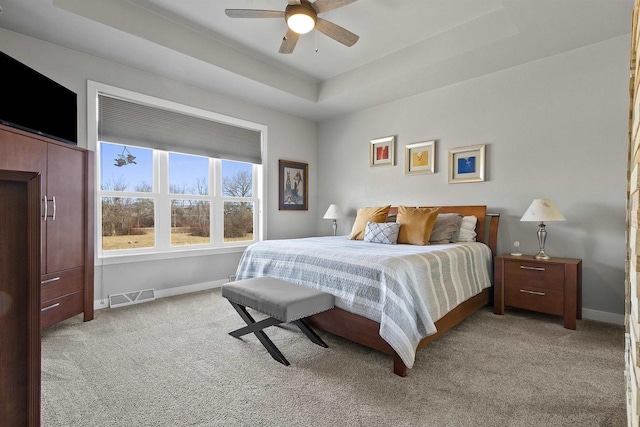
555, 128
289, 138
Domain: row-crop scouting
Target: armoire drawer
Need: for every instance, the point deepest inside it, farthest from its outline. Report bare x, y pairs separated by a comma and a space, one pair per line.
59, 309
61, 283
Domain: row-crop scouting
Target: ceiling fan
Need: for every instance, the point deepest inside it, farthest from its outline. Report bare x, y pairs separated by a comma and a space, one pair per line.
301, 17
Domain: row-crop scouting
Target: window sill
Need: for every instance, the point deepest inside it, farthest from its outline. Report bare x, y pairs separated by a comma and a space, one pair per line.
113, 259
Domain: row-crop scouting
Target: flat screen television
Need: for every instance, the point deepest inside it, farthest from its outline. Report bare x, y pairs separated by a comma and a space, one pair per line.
33, 102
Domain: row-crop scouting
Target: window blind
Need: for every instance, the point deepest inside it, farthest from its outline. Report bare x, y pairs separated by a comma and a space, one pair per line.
130, 123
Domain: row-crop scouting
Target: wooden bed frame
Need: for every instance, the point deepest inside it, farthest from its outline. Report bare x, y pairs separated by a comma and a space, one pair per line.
366, 332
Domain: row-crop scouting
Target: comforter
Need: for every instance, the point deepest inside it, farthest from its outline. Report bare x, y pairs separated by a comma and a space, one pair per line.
406, 288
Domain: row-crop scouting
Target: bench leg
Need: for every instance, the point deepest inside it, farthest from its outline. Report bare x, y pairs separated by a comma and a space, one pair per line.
253, 326
304, 327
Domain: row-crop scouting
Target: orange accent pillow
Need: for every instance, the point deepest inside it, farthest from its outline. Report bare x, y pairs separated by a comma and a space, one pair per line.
416, 224
365, 215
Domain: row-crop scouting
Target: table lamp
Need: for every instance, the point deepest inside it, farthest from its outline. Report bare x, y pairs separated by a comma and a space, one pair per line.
542, 210
333, 213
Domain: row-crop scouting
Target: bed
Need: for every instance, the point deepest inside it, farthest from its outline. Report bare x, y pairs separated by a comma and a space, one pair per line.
393, 298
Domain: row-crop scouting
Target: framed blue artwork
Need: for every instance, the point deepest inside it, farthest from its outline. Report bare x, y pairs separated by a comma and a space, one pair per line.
466, 164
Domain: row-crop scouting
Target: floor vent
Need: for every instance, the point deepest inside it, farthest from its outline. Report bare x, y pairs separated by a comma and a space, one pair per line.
128, 298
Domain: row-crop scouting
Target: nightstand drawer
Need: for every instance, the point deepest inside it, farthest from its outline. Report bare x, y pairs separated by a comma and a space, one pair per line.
62, 308
533, 298
537, 275
61, 283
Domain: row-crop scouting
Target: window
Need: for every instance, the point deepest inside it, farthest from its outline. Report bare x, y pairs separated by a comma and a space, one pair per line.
157, 201
128, 219
190, 215
237, 189
172, 177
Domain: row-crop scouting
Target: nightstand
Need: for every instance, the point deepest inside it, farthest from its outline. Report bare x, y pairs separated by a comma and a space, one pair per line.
553, 286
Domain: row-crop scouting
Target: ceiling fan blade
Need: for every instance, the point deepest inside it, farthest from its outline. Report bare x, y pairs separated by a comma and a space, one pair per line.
253, 13
321, 6
336, 32
294, 2
289, 41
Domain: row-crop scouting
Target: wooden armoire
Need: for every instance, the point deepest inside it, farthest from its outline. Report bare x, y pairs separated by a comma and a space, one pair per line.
632, 264
67, 219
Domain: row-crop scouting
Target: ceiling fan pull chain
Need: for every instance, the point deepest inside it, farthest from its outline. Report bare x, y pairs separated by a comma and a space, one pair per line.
316, 41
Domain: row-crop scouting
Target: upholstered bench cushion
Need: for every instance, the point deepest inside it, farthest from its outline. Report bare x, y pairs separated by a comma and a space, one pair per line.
277, 298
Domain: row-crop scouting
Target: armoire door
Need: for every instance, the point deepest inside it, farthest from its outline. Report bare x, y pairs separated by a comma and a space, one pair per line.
19, 298
64, 227
19, 152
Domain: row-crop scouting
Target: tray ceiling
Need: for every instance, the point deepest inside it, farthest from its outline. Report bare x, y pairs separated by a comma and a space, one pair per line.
405, 47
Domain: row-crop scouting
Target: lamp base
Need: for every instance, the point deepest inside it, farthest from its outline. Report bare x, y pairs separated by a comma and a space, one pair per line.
541, 255
542, 236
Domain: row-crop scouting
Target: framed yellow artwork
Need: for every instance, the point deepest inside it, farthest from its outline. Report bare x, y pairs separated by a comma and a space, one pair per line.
420, 158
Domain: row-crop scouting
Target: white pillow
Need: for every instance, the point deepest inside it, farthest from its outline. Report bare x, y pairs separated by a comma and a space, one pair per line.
467, 231
382, 232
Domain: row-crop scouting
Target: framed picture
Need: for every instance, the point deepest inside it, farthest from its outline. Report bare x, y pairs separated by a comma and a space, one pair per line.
466, 164
420, 158
382, 151
294, 186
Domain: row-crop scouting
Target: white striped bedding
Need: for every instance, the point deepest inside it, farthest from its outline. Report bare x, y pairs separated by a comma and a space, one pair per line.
406, 288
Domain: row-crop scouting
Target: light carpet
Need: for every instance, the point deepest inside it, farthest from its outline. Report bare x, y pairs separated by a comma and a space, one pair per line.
171, 362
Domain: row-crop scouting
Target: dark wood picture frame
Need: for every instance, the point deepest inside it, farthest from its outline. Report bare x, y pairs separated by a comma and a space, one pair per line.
294, 186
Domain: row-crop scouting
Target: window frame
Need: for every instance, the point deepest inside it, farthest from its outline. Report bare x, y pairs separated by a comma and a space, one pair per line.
163, 248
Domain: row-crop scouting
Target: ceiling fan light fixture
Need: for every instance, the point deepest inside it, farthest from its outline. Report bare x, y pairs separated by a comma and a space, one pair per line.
300, 19
301, 16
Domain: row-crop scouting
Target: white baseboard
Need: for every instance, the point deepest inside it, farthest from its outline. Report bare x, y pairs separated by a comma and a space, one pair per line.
100, 304
587, 313
603, 316
179, 290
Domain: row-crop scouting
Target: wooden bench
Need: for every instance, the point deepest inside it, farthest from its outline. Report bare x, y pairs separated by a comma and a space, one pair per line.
282, 301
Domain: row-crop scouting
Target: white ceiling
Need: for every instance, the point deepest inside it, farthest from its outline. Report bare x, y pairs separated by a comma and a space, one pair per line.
406, 47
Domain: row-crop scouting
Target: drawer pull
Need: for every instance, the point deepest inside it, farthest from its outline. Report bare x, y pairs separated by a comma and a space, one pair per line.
55, 279
532, 292
50, 307
524, 267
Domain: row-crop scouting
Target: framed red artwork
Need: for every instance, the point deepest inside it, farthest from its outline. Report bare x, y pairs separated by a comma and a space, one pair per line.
382, 151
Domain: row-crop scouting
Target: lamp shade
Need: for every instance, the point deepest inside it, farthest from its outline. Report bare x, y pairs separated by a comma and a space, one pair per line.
542, 210
333, 212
